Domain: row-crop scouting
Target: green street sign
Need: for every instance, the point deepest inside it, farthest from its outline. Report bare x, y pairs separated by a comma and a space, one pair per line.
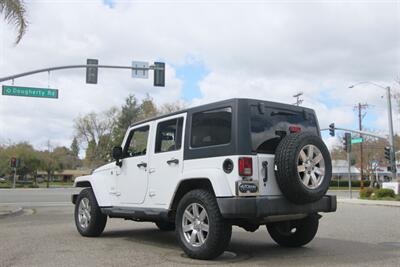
357, 140
29, 91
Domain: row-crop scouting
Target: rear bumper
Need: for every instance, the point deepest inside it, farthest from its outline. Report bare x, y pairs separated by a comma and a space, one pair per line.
261, 207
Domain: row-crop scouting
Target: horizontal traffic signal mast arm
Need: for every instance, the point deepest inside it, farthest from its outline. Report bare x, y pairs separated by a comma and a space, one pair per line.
12, 77
359, 132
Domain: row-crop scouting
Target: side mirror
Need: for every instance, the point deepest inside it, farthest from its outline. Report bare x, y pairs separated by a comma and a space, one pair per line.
117, 155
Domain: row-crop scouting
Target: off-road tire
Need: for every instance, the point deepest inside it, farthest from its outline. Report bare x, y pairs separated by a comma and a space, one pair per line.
287, 176
165, 226
220, 231
97, 221
305, 231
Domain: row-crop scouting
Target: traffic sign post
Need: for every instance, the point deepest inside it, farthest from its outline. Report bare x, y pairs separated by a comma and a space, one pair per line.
11, 90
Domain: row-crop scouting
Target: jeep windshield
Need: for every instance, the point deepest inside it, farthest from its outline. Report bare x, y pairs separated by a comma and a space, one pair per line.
268, 125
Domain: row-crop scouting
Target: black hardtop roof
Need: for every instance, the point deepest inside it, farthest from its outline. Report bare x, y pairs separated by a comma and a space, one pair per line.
218, 104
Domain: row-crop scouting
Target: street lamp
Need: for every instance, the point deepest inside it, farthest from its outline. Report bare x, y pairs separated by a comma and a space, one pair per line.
390, 123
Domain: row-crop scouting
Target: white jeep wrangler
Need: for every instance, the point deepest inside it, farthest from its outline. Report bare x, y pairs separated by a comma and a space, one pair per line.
199, 171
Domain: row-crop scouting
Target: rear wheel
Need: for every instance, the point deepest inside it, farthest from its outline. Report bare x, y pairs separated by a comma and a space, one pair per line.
165, 226
201, 230
88, 217
294, 233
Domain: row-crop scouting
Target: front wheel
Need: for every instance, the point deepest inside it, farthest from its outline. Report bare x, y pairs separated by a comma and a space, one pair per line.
294, 233
201, 230
88, 218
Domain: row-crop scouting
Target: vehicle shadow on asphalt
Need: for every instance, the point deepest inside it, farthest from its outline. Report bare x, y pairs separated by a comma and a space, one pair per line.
150, 236
258, 246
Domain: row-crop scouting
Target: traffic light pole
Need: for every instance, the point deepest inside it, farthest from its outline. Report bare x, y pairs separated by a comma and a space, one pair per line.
389, 138
12, 77
349, 173
14, 176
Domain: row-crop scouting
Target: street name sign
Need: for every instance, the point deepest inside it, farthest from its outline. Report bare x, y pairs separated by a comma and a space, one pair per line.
29, 91
357, 140
143, 74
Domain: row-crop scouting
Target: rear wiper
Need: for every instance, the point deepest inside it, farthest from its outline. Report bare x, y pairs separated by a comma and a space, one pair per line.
284, 113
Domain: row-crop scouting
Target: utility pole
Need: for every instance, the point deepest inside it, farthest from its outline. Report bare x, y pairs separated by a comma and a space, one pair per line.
298, 100
360, 107
390, 124
391, 136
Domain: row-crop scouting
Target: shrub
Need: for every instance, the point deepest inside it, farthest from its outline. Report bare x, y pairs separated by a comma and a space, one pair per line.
345, 183
381, 193
366, 192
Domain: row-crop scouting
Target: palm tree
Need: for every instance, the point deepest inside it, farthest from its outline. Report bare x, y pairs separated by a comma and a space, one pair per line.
14, 13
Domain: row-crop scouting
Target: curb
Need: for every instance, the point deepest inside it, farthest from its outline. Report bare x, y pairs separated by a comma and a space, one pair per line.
5, 212
355, 201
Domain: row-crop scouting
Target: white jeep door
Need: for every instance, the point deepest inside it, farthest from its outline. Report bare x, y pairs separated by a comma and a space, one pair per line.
166, 161
132, 177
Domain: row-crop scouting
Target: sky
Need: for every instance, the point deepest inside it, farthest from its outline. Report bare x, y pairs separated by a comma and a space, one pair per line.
214, 50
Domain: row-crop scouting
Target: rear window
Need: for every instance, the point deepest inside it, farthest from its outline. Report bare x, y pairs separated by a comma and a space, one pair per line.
268, 127
211, 128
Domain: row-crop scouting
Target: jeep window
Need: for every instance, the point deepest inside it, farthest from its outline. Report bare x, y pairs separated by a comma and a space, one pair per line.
269, 126
137, 142
211, 128
169, 135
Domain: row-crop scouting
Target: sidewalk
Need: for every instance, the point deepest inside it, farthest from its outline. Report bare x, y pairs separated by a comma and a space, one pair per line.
357, 201
7, 211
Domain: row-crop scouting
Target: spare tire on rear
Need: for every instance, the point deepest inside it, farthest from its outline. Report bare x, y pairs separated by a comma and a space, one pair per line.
303, 167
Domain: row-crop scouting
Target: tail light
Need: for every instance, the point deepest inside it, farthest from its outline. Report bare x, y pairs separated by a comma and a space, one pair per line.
245, 166
294, 129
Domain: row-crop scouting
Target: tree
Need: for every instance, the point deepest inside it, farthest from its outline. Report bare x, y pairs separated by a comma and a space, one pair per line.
129, 114
28, 159
95, 130
75, 147
148, 108
15, 13
50, 163
172, 107
66, 157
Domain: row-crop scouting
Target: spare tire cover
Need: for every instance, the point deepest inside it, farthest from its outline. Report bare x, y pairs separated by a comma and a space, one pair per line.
303, 167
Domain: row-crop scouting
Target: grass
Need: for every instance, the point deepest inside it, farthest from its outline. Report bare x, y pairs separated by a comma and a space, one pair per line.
344, 188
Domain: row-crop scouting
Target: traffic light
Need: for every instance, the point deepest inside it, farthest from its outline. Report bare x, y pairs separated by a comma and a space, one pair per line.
332, 129
347, 142
13, 163
92, 72
387, 153
159, 74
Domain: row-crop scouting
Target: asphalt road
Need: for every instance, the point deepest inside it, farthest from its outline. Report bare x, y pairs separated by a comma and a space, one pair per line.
46, 236
62, 196
37, 196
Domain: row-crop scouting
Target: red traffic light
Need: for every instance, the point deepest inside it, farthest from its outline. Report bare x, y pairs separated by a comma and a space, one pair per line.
13, 162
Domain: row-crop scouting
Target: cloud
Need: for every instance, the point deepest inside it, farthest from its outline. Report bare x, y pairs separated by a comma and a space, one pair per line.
256, 49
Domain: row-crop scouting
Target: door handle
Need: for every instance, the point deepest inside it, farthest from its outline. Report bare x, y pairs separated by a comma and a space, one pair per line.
175, 161
142, 164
